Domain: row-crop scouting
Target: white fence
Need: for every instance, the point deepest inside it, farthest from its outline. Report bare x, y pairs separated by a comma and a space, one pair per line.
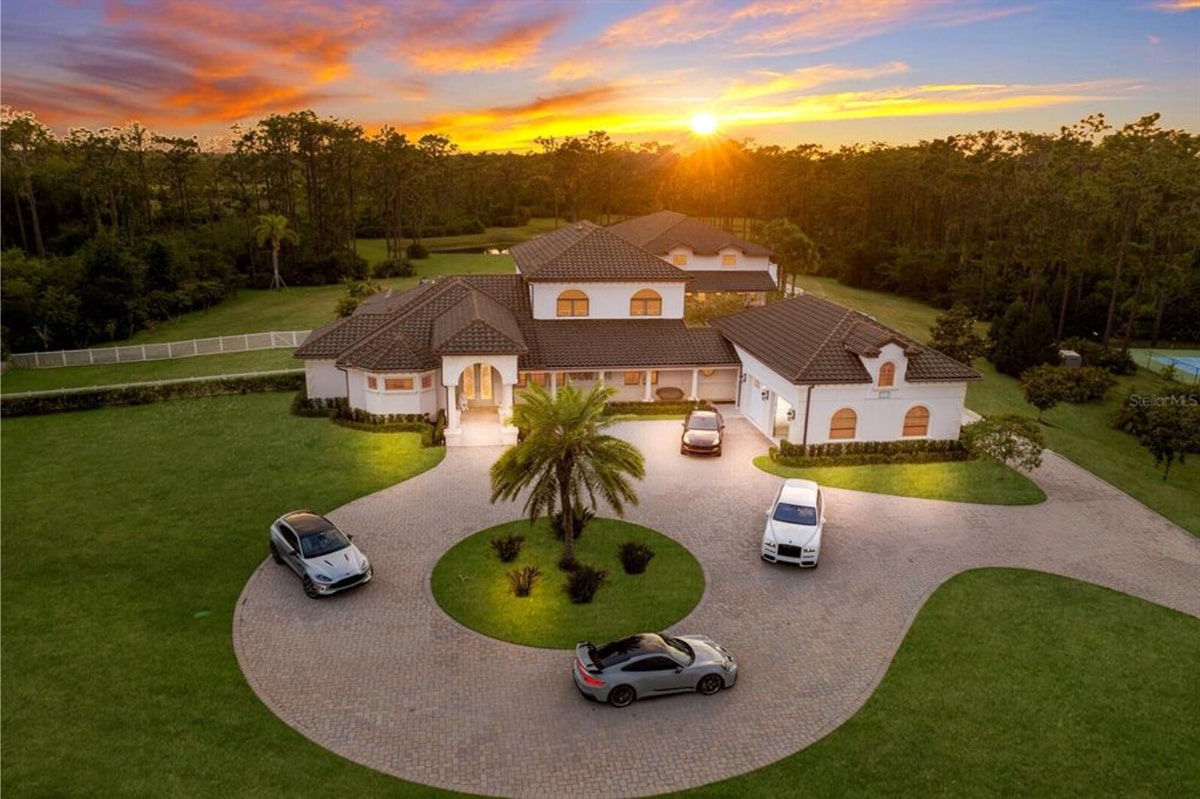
160, 352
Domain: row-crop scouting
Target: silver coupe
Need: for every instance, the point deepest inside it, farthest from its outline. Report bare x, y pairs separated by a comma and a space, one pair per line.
651, 664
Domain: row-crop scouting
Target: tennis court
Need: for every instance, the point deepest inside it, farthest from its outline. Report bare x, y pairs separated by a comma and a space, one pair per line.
1186, 363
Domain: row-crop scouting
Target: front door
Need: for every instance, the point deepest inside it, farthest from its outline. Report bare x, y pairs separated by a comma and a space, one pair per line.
477, 384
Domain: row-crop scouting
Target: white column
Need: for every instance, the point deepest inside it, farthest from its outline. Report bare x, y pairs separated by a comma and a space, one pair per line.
451, 408
695, 383
506, 403
646, 394
553, 383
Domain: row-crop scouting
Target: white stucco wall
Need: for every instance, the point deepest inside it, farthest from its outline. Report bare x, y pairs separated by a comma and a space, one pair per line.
606, 300
880, 411
419, 400
323, 380
743, 262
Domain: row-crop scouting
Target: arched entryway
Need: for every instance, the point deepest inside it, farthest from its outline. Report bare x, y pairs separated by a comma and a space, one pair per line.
479, 399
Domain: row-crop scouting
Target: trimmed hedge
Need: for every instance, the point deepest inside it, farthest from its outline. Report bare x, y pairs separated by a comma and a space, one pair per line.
338, 410
868, 453
145, 394
654, 408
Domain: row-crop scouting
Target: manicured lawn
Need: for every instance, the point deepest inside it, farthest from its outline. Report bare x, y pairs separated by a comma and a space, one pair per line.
1016, 683
982, 482
469, 583
17, 380
129, 533
127, 536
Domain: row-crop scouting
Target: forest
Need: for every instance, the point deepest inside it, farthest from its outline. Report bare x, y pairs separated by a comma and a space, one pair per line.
105, 232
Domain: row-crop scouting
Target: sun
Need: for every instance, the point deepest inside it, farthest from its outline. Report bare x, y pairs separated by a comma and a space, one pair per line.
704, 124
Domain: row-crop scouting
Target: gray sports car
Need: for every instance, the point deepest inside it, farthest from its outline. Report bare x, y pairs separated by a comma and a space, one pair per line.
319, 553
651, 664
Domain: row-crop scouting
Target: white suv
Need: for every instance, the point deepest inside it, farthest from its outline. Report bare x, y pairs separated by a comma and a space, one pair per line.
794, 522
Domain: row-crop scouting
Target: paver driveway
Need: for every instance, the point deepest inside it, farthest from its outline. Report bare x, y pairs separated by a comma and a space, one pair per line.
381, 676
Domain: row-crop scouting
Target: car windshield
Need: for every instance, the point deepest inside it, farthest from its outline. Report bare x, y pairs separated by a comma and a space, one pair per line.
322, 543
703, 423
795, 514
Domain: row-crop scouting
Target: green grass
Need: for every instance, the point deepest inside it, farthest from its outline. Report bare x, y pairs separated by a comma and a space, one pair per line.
17, 380
982, 482
128, 535
130, 532
1015, 683
469, 583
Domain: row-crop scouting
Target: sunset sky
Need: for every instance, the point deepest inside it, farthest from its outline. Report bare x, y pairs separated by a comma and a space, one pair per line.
496, 74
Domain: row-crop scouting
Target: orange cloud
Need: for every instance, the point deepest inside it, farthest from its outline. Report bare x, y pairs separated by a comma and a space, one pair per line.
1173, 6
776, 83
513, 48
669, 23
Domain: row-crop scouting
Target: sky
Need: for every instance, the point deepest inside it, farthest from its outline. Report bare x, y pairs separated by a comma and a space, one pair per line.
496, 74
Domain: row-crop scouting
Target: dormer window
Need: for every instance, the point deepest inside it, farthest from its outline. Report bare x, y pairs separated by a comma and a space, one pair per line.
572, 302
679, 260
887, 375
646, 302
729, 260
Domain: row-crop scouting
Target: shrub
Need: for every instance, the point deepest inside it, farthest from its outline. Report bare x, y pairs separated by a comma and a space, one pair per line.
868, 453
417, 251
582, 517
1011, 439
584, 582
521, 580
394, 267
87, 399
439, 428
634, 556
1117, 362
507, 548
654, 408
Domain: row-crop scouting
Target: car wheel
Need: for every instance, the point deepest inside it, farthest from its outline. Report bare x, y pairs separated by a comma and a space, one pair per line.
310, 590
275, 553
709, 684
622, 696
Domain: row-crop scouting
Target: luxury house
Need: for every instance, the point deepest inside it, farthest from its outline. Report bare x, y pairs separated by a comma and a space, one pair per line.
587, 305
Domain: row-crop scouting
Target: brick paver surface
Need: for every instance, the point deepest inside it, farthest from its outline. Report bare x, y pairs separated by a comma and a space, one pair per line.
381, 676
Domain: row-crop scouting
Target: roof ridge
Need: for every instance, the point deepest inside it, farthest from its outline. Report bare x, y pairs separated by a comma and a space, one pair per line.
436, 289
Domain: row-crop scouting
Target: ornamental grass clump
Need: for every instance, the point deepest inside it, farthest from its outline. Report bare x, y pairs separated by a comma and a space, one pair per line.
508, 547
634, 556
584, 582
521, 580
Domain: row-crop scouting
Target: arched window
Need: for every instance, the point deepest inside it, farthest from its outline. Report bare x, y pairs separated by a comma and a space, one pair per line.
916, 421
844, 424
572, 302
887, 375
646, 302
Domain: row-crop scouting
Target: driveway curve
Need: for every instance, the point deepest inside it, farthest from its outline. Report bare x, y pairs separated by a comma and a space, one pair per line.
383, 677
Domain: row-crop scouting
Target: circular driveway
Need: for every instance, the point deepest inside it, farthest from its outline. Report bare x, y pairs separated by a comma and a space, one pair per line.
381, 676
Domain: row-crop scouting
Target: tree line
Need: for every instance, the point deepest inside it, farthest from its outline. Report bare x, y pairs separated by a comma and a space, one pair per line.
108, 231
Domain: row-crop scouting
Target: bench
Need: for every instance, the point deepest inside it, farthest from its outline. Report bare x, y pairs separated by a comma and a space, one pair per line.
669, 394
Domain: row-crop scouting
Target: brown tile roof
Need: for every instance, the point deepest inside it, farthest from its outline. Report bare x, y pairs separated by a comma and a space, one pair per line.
810, 340
407, 341
714, 281
661, 232
476, 324
587, 252
332, 339
617, 343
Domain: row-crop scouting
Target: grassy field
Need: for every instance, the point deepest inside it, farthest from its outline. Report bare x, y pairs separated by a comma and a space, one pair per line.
469, 583
982, 482
130, 532
17, 380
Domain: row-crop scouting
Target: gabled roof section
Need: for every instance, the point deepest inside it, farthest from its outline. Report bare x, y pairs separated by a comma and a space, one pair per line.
821, 344
476, 324
714, 281
445, 311
666, 230
586, 252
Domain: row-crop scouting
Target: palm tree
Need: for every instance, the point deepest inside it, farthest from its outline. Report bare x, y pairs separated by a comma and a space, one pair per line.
274, 228
565, 456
